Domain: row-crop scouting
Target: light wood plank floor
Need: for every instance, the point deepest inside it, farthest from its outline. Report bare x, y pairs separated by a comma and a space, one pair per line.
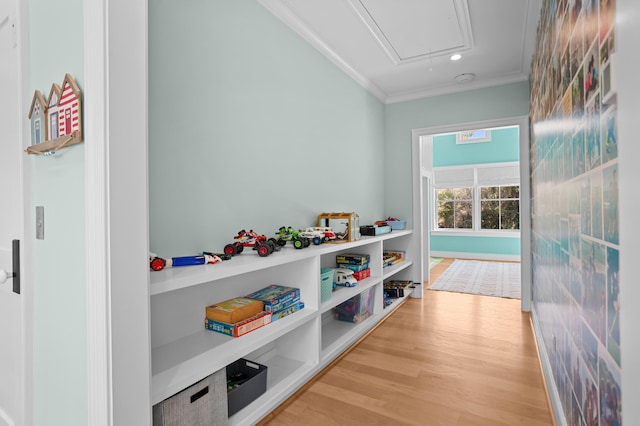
446, 359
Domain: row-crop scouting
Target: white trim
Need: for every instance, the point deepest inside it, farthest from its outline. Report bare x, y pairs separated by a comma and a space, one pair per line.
26, 255
552, 390
99, 397
476, 256
479, 233
525, 193
282, 12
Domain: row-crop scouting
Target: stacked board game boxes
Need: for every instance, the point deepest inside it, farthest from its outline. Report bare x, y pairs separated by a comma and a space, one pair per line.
241, 315
392, 257
358, 263
279, 300
237, 316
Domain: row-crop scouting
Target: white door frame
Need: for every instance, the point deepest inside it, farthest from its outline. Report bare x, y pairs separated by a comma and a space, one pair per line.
525, 191
117, 273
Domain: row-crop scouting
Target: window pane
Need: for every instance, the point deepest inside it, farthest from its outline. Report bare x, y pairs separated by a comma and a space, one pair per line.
462, 193
489, 192
463, 216
510, 192
510, 214
490, 215
445, 194
445, 214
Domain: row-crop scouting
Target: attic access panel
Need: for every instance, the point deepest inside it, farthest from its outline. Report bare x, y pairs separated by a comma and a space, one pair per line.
412, 30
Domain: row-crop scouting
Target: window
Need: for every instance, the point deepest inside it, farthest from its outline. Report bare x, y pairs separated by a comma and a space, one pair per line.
500, 207
477, 198
455, 208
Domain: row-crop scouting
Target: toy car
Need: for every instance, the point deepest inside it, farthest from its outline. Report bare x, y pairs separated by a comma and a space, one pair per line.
252, 239
344, 277
319, 234
287, 233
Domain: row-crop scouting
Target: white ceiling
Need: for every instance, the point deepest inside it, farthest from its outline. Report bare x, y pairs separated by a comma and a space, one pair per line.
399, 50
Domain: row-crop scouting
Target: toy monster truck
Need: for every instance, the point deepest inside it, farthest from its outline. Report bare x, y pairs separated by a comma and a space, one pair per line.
318, 234
250, 239
287, 233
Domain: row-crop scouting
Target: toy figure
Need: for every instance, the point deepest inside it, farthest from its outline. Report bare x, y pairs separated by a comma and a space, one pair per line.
158, 263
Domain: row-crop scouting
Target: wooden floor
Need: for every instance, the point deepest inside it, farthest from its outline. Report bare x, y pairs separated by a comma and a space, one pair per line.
446, 359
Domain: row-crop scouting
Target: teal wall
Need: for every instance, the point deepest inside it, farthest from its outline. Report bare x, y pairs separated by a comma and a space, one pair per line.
510, 100
59, 287
480, 245
503, 147
251, 127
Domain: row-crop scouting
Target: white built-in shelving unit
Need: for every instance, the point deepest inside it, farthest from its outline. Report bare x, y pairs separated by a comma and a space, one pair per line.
294, 348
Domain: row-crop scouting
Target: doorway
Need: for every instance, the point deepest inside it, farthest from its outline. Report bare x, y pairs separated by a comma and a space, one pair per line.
422, 184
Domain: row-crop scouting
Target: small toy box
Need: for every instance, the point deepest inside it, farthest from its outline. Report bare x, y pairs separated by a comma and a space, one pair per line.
356, 309
361, 275
246, 381
326, 284
203, 403
397, 224
373, 230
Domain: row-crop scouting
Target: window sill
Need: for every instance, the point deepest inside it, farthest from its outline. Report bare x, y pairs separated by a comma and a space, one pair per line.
466, 233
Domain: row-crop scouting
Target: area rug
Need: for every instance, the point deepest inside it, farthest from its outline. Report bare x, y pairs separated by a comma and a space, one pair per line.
500, 279
433, 261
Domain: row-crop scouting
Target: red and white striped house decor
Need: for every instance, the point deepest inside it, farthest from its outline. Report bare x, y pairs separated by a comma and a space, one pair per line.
63, 115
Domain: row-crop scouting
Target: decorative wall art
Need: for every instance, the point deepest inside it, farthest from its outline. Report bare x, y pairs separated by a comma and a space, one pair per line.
575, 228
55, 122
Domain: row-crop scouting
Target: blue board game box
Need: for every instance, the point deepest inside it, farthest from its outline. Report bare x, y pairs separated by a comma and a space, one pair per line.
276, 297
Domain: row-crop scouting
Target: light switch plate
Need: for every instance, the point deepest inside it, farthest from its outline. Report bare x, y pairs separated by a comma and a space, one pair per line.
40, 222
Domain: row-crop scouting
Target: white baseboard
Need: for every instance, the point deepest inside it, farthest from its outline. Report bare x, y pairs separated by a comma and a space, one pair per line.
552, 390
476, 256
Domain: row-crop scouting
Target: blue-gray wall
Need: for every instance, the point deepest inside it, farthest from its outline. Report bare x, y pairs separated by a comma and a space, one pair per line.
251, 127
59, 306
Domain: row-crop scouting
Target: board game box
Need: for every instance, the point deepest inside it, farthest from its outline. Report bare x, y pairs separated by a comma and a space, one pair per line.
287, 311
233, 310
239, 328
276, 297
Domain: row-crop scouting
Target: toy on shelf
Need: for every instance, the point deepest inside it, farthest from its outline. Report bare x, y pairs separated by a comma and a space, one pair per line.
350, 222
344, 277
287, 233
395, 223
258, 242
158, 263
319, 234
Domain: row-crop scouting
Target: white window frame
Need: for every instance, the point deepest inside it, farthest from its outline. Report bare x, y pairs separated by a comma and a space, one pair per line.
476, 231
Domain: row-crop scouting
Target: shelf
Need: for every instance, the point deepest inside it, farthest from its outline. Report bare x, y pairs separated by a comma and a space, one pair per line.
340, 294
339, 335
171, 279
279, 376
179, 364
293, 348
394, 269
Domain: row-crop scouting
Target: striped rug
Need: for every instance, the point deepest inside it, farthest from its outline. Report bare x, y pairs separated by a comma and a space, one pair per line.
500, 279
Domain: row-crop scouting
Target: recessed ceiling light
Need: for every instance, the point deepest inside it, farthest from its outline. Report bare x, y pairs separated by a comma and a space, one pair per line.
456, 57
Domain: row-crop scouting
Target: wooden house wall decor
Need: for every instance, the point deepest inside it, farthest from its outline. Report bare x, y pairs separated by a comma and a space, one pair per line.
62, 125
38, 117
52, 103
